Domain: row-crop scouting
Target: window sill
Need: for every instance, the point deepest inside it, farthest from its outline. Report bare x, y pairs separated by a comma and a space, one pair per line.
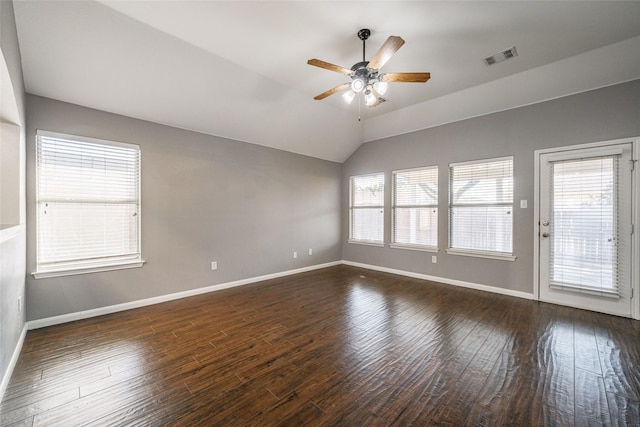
96, 268
366, 243
414, 247
479, 254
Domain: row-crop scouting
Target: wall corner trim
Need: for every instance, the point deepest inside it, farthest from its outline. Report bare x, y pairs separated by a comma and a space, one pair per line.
461, 283
12, 363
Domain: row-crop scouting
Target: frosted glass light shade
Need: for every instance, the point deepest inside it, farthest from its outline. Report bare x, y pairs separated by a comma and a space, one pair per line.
380, 87
348, 96
358, 84
369, 98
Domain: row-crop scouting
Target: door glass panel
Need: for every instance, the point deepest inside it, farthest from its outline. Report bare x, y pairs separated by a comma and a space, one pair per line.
583, 226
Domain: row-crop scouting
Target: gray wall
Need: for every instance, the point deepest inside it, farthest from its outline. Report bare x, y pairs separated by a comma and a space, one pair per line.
204, 199
12, 250
599, 115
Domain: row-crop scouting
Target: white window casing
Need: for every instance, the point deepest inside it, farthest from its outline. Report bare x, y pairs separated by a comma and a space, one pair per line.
88, 205
366, 209
481, 208
415, 209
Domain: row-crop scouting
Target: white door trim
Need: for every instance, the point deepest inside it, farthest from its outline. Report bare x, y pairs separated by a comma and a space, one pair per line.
635, 240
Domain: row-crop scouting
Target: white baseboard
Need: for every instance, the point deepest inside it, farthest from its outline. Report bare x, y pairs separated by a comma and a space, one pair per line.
12, 363
55, 320
480, 287
64, 318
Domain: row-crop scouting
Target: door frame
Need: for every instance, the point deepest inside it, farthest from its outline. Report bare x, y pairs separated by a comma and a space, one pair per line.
635, 215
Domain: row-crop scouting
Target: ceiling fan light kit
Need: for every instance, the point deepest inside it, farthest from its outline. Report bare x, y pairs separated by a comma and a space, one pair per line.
348, 96
380, 87
370, 98
365, 75
358, 84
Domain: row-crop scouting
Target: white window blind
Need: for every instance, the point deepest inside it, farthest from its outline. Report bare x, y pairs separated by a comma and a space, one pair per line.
367, 208
88, 201
481, 205
584, 224
415, 207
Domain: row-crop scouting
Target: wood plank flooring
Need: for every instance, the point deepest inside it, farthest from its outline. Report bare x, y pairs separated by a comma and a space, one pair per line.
337, 346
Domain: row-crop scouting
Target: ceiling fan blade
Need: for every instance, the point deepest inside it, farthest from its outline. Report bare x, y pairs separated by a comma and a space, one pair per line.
385, 52
405, 77
323, 95
328, 66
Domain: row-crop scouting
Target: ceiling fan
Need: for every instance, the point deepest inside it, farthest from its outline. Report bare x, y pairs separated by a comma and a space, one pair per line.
366, 76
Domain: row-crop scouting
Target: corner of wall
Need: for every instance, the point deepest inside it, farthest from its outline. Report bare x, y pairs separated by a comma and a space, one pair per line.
13, 239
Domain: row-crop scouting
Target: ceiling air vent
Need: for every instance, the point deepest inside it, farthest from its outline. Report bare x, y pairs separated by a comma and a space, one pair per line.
501, 56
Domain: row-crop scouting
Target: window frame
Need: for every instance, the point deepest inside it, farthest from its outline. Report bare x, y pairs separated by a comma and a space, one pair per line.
394, 205
352, 207
480, 253
617, 209
99, 264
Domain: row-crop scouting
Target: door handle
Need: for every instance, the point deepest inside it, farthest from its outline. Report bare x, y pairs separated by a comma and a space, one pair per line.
545, 223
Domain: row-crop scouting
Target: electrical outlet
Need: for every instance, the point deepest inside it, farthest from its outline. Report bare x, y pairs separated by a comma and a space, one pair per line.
214, 265
434, 259
295, 254
310, 251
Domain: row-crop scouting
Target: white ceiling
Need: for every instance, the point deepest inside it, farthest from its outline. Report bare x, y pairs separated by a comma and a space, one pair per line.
238, 69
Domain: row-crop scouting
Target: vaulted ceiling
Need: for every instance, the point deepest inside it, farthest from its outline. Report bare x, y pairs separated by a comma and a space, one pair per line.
238, 69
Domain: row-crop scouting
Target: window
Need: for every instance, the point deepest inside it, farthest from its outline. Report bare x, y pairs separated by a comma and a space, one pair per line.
366, 209
480, 208
88, 205
415, 208
584, 224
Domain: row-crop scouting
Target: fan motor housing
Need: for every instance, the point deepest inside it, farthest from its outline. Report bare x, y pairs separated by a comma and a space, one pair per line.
360, 69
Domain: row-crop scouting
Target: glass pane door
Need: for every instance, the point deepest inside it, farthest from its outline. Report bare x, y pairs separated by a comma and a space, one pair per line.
583, 226
584, 239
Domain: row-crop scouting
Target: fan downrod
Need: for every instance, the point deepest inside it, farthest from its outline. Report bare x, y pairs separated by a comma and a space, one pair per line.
363, 35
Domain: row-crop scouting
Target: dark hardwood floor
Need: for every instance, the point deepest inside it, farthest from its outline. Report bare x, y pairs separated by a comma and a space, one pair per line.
338, 346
